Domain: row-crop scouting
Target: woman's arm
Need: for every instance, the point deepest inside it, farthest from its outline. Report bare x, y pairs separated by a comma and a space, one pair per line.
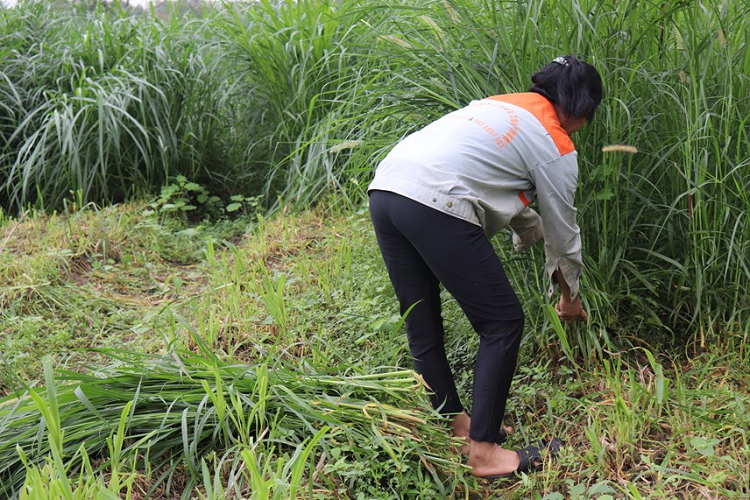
555, 184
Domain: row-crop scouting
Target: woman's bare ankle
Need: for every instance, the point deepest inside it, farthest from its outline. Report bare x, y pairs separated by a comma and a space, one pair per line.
482, 451
461, 425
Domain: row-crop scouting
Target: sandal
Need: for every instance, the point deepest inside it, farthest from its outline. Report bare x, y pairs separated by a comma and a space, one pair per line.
502, 436
531, 458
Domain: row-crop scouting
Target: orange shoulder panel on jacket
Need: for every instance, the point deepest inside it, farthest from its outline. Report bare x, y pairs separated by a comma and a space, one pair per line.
544, 111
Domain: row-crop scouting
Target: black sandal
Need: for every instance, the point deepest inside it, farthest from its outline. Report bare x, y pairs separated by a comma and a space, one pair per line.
502, 436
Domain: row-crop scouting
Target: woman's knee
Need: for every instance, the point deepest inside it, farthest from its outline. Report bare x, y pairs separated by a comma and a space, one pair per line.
514, 326
508, 328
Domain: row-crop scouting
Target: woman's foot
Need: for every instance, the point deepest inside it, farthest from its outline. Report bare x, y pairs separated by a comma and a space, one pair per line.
460, 425
488, 459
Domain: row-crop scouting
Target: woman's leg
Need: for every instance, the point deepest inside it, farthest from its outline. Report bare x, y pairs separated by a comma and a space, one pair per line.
466, 264
417, 289
421, 241
459, 255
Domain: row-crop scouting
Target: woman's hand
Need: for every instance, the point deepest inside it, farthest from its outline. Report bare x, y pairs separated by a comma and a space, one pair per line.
568, 310
571, 310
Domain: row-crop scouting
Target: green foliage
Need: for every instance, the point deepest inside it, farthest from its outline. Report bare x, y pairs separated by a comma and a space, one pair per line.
293, 100
280, 364
105, 103
182, 197
307, 76
289, 102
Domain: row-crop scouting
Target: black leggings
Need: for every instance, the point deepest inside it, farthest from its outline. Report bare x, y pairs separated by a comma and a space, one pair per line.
422, 248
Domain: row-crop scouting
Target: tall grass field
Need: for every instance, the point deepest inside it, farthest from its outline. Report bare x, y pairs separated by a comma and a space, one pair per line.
193, 304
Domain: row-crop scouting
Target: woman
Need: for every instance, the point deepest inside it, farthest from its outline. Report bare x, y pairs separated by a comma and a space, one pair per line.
438, 198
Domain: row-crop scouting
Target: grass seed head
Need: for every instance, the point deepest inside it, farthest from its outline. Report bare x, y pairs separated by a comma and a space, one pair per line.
345, 145
435, 27
451, 12
722, 38
620, 148
396, 40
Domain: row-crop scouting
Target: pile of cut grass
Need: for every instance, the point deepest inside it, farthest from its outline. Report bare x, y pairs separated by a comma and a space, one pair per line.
158, 415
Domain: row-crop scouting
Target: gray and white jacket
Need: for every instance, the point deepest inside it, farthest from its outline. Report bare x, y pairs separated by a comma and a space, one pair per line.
485, 163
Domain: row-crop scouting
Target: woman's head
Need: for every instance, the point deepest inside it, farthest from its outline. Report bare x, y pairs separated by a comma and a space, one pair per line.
572, 85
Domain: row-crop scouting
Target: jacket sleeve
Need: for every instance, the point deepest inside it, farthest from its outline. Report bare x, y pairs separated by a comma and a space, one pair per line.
556, 184
527, 229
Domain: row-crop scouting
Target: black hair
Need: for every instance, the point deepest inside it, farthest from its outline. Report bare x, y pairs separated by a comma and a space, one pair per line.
572, 84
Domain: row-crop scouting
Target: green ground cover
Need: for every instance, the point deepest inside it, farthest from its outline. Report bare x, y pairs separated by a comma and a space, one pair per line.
278, 367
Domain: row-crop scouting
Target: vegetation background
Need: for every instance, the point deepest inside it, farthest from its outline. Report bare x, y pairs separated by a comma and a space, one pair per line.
182, 230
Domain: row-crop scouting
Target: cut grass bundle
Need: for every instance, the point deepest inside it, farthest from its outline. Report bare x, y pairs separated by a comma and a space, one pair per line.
173, 410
